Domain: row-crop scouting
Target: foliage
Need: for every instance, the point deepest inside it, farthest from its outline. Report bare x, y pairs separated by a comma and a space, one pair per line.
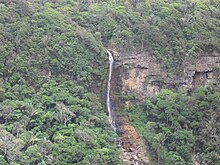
175, 126
172, 31
52, 62
50, 107
58, 124
38, 45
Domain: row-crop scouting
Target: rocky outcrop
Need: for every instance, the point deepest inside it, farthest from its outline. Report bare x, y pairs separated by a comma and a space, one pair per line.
141, 73
132, 150
202, 71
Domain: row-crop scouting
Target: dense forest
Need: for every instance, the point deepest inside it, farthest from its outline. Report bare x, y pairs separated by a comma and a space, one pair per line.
53, 64
176, 126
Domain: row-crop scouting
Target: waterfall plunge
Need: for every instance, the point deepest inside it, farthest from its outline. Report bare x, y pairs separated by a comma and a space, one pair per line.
111, 62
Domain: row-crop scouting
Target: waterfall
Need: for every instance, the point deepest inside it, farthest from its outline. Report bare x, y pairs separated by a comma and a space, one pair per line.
111, 62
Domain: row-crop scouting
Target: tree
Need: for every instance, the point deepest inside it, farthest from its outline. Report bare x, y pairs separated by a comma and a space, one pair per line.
9, 146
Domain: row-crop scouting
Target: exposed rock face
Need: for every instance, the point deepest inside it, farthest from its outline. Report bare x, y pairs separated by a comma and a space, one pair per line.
133, 151
202, 71
142, 74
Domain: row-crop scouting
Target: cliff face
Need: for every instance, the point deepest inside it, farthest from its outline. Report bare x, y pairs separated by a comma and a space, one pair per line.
141, 73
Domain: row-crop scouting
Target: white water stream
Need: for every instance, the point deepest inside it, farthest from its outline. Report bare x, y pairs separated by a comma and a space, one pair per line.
111, 62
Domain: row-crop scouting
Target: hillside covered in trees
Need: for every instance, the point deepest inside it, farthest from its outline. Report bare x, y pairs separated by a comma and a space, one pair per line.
176, 126
53, 65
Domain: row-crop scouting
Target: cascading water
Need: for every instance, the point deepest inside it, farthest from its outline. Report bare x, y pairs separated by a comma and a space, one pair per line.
110, 114
132, 151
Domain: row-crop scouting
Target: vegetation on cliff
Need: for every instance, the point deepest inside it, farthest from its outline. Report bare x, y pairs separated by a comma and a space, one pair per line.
53, 63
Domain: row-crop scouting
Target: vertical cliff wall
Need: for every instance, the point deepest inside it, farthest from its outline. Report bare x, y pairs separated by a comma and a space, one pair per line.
143, 74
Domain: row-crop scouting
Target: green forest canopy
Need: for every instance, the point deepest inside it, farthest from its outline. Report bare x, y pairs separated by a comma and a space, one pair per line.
176, 126
53, 62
